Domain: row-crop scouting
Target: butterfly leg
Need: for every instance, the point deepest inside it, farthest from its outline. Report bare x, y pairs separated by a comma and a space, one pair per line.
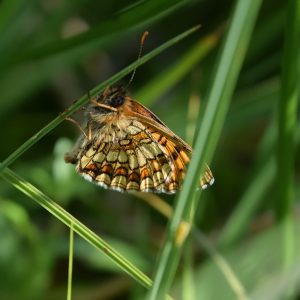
77, 125
72, 156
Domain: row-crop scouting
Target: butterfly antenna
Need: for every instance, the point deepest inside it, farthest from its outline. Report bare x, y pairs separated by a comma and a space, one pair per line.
143, 38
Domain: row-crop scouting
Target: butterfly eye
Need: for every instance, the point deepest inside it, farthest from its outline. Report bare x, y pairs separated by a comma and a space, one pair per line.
116, 101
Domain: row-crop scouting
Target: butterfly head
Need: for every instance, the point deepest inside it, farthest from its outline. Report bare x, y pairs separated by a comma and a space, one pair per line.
108, 103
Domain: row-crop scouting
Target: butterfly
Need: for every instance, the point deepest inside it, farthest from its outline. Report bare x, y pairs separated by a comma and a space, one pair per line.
125, 147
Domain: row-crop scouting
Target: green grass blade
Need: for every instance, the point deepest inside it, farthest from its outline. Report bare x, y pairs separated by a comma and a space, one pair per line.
141, 15
172, 75
188, 283
70, 269
230, 62
287, 121
83, 100
88, 235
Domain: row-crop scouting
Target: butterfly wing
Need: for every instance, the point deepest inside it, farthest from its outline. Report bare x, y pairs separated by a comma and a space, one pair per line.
136, 162
173, 146
149, 157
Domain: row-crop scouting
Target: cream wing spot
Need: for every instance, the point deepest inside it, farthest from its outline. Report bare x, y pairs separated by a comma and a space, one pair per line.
158, 178
146, 184
85, 161
124, 142
133, 180
167, 172
132, 159
103, 178
147, 151
132, 185
155, 149
123, 158
133, 130
141, 158
99, 157
138, 125
119, 181
119, 178
90, 152
112, 155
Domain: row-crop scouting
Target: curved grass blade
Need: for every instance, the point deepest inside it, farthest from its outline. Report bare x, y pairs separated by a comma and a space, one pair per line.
142, 14
83, 100
228, 68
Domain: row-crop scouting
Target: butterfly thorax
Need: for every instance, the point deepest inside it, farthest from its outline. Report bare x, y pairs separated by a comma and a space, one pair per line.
106, 118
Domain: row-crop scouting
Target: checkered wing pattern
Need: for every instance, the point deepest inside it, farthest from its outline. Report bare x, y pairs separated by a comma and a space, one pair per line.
129, 149
143, 161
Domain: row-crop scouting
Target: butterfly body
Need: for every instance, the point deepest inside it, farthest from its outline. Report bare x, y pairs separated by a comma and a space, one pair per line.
127, 147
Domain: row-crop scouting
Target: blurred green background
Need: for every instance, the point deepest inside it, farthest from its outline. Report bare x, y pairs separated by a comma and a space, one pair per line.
52, 53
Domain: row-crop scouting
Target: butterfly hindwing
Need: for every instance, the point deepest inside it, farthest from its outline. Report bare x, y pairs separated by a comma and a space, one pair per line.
137, 162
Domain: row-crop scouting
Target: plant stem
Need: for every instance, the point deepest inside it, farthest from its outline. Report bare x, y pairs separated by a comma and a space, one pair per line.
70, 269
287, 121
229, 65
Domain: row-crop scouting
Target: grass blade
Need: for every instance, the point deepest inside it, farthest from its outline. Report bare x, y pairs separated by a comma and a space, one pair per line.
287, 121
70, 269
230, 62
140, 15
169, 77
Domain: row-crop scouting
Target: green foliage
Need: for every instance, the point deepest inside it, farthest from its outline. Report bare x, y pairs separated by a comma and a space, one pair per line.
244, 240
